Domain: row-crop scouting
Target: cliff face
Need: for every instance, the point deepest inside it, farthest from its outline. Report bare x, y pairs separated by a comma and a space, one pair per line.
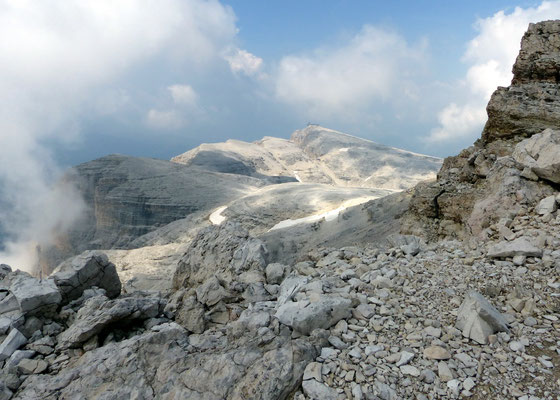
128, 197
485, 183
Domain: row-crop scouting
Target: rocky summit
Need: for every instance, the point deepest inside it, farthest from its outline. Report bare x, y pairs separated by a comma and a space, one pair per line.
449, 290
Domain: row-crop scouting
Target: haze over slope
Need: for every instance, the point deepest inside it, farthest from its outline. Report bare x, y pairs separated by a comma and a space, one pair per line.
317, 155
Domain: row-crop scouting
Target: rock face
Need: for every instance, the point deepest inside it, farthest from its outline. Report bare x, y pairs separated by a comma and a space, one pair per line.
127, 197
492, 179
531, 104
317, 155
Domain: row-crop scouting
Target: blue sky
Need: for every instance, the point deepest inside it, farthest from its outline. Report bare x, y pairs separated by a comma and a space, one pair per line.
82, 79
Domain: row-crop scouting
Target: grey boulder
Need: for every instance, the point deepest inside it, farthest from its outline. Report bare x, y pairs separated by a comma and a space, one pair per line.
478, 319
305, 316
13, 341
541, 153
34, 295
518, 247
84, 271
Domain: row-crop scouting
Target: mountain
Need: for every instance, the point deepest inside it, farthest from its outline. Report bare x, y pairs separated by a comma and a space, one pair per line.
128, 197
317, 155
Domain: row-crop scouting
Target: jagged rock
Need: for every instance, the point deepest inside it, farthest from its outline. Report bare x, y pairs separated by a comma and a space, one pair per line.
518, 247
28, 366
5, 393
274, 273
34, 295
190, 315
546, 205
531, 103
15, 358
224, 250
478, 319
99, 312
5, 269
13, 341
541, 154
305, 316
84, 271
8, 304
212, 292
122, 370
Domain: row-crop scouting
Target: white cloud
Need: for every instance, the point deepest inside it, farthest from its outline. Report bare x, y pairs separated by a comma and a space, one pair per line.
165, 119
56, 56
374, 65
183, 95
242, 61
491, 55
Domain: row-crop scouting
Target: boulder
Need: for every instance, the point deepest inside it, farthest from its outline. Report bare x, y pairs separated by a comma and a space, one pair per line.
318, 391
305, 316
546, 205
519, 247
28, 366
541, 154
89, 269
478, 319
99, 312
190, 315
12, 342
225, 251
274, 273
35, 296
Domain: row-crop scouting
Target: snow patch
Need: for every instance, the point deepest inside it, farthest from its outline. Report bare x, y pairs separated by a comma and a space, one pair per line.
327, 216
344, 149
216, 218
296, 175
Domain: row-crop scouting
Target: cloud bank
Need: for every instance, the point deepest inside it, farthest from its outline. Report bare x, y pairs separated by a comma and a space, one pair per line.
55, 56
490, 56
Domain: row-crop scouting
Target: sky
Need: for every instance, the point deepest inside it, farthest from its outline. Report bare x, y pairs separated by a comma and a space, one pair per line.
154, 78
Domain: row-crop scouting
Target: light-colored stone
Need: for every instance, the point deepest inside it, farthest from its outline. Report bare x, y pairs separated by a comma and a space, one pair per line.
519, 247
478, 319
546, 205
13, 341
34, 295
436, 353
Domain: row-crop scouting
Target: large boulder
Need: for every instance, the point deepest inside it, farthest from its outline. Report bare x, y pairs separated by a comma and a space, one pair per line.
89, 269
11, 343
519, 247
304, 316
99, 312
226, 251
35, 296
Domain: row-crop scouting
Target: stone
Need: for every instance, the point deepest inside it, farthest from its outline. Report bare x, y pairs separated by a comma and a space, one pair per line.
444, 372
35, 296
478, 319
468, 384
436, 353
13, 341
305, 316
191, 315
212, 292
366, 311
5, 393
274, 273
8, 304
92, 268
15, 358
99, 312
546, 205
318, 391
405, 358
518, 247
312, 371
28, 366
540, 154
410, 370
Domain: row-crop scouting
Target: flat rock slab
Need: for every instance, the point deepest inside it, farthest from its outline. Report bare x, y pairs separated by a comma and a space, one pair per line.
305, 316
34, 295
518, 247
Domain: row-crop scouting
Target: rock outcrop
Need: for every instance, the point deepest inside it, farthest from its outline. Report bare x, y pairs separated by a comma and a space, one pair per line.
491, 180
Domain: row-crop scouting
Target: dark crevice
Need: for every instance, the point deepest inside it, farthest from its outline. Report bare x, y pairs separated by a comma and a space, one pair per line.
436, 204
